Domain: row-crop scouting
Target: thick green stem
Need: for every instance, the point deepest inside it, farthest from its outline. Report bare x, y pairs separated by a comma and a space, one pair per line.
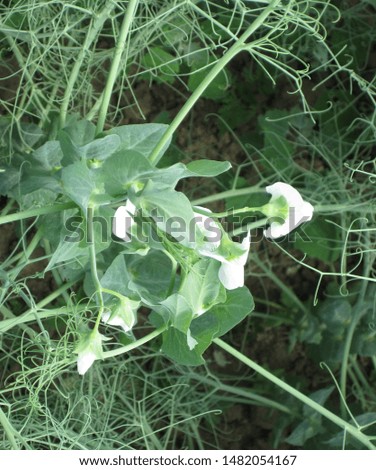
348, 428
358, 311
120, 46
213, 72
94, 28
93, 263
227, 195
6, 219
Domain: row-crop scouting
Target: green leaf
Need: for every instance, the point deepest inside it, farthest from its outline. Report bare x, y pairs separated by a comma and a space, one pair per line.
336, 314
9, 179
79, 183
141, 138
238, 305
205, 328
170, 209
323, 241
150, 276
176, 311
80, 132
69, 248
207, 168
39, 198
217, 89
101, 149
175, 346
162, 65
48, 156
122, 169
311, 425
201, 288
73, 137
117, 277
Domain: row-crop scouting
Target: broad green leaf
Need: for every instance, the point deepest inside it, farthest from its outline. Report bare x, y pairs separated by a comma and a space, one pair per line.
74, 136
34, 182
69, 248
218, 87
150, 276
101, 149
81, 132
48, 156
175, 346
176, 311
320, 240
141, 138
79, 183
74, 240
39, 198
200, 168
336, 314
171, 211
205, 328
162, 65
201, 288
122, 169
8, 180
311, 425
207, 168
238, 305
117, 277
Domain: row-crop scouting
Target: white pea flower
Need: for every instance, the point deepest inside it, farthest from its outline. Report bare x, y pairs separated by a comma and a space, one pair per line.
288, 205
124, 314
89, 349
233, 256
124, 220
231, 272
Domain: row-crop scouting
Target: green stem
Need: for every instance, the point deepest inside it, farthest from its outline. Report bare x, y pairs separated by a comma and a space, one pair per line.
213, 72
127, 21
348, 428
358, 311
36, 212
232, 212
227, 195
136, 344
9, 431
249, 227
93, 264
94, 28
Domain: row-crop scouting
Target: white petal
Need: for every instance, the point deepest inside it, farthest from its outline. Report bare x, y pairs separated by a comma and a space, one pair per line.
231, 275
245, 244
299, 210
117, 320
85, 361
209, 228
292, 195
277, 230
123, 221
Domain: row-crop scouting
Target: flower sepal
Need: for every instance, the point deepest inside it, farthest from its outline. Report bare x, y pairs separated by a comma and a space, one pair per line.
123, 314
277, 208
89, 349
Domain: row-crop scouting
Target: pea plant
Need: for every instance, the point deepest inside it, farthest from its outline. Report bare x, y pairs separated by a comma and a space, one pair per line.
127, 250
